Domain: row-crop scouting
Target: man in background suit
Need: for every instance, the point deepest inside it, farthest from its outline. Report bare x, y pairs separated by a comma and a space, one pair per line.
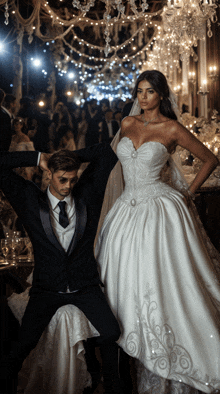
62, 224
10, 105
5, 125
108, 127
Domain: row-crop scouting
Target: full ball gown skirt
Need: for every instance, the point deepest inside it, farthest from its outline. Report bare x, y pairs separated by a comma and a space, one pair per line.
159, 279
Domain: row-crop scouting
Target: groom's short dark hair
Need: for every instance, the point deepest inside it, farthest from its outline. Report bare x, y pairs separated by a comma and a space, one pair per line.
64, 160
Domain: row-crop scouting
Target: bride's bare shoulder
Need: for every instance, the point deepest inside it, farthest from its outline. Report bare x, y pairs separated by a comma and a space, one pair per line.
126, 125
128, 121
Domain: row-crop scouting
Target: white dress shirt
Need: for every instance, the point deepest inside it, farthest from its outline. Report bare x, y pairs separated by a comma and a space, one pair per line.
64, 235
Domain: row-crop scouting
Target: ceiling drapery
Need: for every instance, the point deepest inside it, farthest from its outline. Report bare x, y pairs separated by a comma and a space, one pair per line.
115, 35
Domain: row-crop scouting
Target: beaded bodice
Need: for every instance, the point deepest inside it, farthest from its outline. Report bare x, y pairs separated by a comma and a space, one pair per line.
141, 170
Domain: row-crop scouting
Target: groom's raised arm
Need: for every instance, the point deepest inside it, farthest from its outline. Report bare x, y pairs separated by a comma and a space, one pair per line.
97, 153
102, 160
13, 185
10, 160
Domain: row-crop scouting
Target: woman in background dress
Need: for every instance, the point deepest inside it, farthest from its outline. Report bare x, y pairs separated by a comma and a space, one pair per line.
21, 142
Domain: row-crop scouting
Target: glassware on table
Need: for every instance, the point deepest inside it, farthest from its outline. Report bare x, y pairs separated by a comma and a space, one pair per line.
22, 250
28, 244
16, 246
13, 250
5, 246
16, 234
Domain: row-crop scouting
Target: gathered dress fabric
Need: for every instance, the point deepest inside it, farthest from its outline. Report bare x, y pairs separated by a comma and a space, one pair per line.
160, 280
57, 365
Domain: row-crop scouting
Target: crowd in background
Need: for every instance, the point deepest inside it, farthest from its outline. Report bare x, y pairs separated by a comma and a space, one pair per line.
68, 126
26, 126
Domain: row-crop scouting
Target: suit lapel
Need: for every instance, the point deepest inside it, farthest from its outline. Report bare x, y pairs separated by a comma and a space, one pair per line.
45, 219
81, 219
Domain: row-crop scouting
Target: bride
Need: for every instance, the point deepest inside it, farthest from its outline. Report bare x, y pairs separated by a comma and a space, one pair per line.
160, 271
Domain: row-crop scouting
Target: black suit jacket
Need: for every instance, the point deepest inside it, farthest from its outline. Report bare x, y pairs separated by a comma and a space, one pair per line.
5, 130
54, 268
105, 132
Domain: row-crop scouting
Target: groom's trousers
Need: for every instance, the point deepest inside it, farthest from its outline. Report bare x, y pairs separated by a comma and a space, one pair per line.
43, 305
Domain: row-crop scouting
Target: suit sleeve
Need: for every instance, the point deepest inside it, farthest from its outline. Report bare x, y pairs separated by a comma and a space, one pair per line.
102, 160
5, 131
13, 185
98, 153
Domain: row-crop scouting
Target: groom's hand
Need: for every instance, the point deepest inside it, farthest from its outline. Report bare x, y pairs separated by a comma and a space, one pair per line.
44, 157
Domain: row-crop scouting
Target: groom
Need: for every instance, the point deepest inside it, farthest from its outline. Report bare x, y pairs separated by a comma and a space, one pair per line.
62, 224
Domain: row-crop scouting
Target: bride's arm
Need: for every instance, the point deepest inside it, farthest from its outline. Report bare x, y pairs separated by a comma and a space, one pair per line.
187, 140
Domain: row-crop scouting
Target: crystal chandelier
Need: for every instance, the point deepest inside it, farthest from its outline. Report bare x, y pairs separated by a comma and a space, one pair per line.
110, 7
184, 22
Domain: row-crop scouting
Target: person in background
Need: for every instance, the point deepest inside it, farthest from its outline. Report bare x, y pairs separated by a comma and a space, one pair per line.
21, 142
5, 125
108, 127
105, 106
82, 130
126, 109
118, 117
61, 123
10, 105
91, 109
28, 113
93, 117
67, 141
75, 114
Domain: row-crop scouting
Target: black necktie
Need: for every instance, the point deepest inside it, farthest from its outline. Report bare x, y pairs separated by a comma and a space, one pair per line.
63, 218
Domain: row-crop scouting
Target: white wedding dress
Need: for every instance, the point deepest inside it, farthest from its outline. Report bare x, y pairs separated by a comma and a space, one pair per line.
159, 279
57, 365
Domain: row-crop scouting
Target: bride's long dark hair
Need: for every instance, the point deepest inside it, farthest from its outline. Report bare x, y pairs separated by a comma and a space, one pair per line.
159, 84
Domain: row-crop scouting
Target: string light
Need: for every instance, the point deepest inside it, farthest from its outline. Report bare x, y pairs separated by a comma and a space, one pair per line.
161, 51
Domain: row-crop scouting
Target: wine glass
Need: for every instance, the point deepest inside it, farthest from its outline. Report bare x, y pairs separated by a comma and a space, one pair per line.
28, 244
20, 248
13, 249
5, 246
16, 234
16, 245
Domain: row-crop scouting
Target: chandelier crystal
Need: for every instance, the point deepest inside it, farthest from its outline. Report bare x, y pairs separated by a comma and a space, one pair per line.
112, 5
184, 21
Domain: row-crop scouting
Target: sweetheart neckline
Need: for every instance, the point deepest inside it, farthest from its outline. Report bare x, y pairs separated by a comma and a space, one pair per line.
147, 142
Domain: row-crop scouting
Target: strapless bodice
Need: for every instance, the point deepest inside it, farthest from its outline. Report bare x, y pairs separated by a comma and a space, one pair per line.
141, 170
